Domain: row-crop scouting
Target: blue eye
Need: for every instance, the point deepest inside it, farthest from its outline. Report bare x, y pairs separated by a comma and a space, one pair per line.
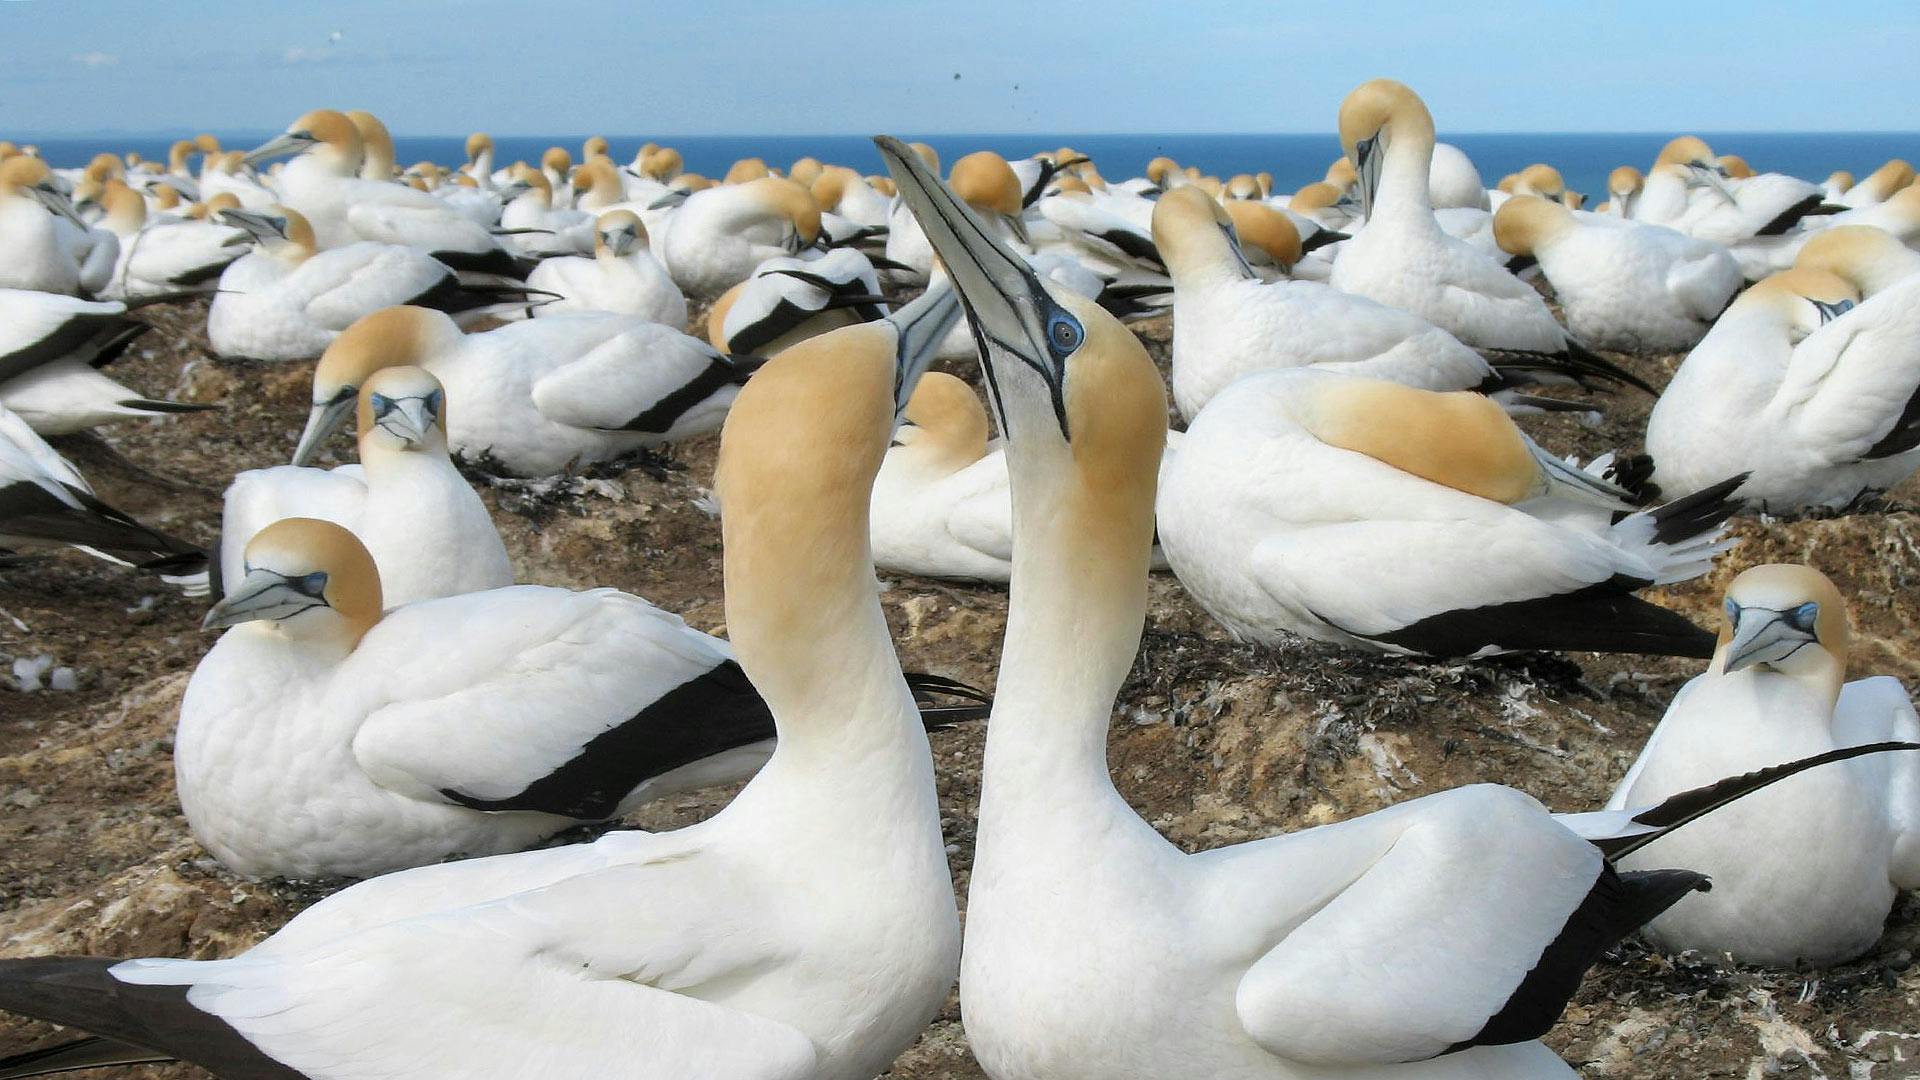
382, 404
1805, 616
434, 401
1063, 334
1733, 611
314, 584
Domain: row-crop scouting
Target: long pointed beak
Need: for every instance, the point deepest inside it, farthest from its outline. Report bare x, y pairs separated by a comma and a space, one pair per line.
408, 421
921, 325
58, 204
260, 595
510, 192
321, 421
1367, 165
256, 225
1764, 636
1709, 177
278, 146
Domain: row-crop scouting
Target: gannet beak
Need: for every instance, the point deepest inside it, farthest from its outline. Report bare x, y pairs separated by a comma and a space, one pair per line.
265, 595
921, 325
1765, 636
1366, 164
1710, 177
1008, 308
620, 241
1832, 311
321, 421
671, 198
512, 191
257, 225
54, 201
292, 142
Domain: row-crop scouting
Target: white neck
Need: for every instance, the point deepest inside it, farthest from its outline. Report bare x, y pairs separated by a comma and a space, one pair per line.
1403, 178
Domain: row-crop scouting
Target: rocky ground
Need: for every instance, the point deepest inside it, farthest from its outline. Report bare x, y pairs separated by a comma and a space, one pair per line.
1214, 742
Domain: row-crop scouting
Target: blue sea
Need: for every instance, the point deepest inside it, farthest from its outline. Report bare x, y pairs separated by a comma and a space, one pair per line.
1584, 159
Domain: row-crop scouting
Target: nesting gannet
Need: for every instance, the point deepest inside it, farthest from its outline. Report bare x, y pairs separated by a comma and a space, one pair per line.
1622, 285
808, 930
1227, 323
537, 397
1899, 215
426, 530
51, 347
1623, 186
787, 301
376, 146
1689, 191
1803, 386
287, 301
1879, 185
46, 503
166, 257
531, 224
1402, 258
905, 244
1837, 183
323, 183
1435, 939
940, 503
1452, 181
1378, 516
32, 254
721, 233
845, 192
622, 277
1840, 840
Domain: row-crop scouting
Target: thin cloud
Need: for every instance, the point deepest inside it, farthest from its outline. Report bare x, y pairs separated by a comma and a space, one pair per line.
96, 59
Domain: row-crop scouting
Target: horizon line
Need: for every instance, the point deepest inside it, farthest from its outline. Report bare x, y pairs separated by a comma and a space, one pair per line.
1652, 133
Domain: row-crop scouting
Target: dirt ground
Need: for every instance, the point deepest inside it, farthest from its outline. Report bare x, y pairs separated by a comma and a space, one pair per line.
1213, 741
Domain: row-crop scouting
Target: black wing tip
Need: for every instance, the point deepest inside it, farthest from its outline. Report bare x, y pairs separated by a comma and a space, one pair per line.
1604, 617
162, 405
1700, 512
91, 1052
928, 690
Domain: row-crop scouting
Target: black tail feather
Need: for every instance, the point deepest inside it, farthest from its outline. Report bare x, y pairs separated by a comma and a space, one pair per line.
929, 689
162, 405
91, 1052
1692, 515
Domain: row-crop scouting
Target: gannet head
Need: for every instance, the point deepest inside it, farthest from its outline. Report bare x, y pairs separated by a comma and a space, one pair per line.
786, 201
1733, 165
207, 144
1840, 179
25, 177
218, 203
1161, 169
598, 177
1193, 233
478, 143
1701, 166
928, 155
1900, 214
987, 183
1318, 195
884, 185
1526, 222
126, 210
1866, 258
689, 182
594, 146
1079, 399
387, 338
617, 233
376, 145
945, 422
1625, 181
1266, 235
178, 153
306, 578
402, 408
746, 170
1373, 117
165, 197
1786, 618
661, 163
1341, 175
1242, 186
324, 132
805, 171
1800, 300
557, 161
1541, 180
1895, 175
831, 185
523, 178
278, 230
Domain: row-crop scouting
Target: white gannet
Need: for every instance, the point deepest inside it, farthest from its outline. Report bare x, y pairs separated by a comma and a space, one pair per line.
1840, 840
1452, 181
228, 174
51, 349
1623, 187
1879, 185
845, 192
1402, 258
376, 146
1622, 285
46, 503
1837, 183
721, 233
808, 931
1378, 516
163, 258
538, 397
906, 245
1898, 214
1436, 939
1714, 206
1227, 323
622, 276
323, 183
531, 224
426, 530
32, 255
940, 503
287, 301
1802, 385
789, 300
1871, 260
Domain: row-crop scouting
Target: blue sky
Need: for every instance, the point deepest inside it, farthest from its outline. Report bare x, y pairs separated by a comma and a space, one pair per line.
719, 67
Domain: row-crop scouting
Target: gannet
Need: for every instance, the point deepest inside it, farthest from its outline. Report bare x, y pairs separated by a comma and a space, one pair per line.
1403, 259
479, 164
1228, 323
1899, 215
46, 503
1622, 285
557, 165
32, 255
376, 146
1689, 191
940, 502
622, 277
1802, 385
808, 930
905, 244
51, 349
427, 531
163, 258
225, 175
287, 301
323, 183
842, 191
1377, 516
1623, 186
788, 300
1838, 183
1840, 840
537, 397
1452, 181
1435, 939
1879, 185
1871, 260
531, 224
721, 233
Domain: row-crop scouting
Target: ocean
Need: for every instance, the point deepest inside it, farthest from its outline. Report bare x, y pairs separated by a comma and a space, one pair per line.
1294, 160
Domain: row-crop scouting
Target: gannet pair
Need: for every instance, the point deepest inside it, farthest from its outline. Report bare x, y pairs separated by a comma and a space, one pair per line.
1803, 383
1435, 939
1402, 258
165, 257
51, 349
1622, 285
621, 277
286, 300
1879, 185
808, 931
717, 237
46, 503
1841, 840
537, 397
423, 526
